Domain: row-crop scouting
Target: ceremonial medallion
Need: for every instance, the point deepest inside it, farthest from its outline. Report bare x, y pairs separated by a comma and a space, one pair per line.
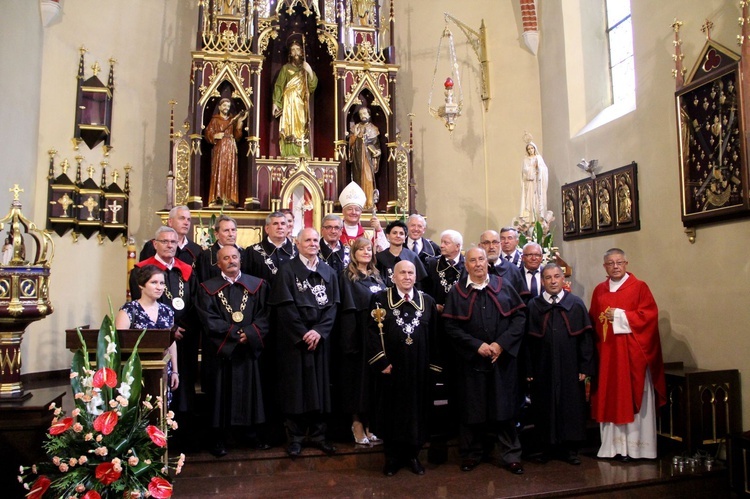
178, 303
237, 317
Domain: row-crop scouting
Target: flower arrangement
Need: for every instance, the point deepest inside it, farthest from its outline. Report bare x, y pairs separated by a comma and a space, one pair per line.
107, 447
539, 232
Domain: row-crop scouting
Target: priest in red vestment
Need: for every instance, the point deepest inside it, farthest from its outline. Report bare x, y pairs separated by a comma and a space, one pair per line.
630, 387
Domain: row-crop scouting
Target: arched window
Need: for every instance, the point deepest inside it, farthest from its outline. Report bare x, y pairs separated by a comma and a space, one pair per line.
620, 38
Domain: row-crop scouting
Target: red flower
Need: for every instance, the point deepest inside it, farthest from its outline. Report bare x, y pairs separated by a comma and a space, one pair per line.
106, 422
160, 488
61, 426
106, 473
39, 487
91, 494
157, 436
105, 376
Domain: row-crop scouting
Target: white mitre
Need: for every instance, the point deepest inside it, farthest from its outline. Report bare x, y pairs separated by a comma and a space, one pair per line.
352, 194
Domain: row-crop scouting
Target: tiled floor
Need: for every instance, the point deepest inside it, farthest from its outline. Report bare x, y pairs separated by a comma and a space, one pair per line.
357, 473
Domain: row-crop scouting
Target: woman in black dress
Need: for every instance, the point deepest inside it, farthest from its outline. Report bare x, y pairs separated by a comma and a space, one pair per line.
357, 283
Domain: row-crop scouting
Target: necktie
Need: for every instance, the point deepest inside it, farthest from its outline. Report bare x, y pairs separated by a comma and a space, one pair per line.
508, 257
553, 298
414, 247
406, 298
533, 288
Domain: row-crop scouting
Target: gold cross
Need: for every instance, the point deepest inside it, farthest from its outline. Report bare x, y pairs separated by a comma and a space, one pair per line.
115, 174
604, 321
96, 68
64, 166
706, 28
90, 169
15, 190
676, 25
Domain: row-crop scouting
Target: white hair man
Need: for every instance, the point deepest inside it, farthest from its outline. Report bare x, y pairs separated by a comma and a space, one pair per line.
416, 242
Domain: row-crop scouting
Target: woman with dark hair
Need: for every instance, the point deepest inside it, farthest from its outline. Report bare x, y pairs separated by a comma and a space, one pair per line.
396, 232
147, 313
357, 283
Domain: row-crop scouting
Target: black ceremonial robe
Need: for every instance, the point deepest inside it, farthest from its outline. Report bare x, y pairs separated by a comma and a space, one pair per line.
355, 377
233, 381
442, 275
385, 262
402, 398
510, 274
264, 259
488, 391
561, 345
304, 299
337, 260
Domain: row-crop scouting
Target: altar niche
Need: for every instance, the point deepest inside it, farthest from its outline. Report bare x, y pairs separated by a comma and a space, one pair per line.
262, 61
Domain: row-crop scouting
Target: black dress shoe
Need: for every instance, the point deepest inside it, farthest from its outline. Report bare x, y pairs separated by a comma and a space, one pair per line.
515, 468
219, 449
294, 449
469, 464
622, 459
416, 467
573, 460
326, 447
391, 467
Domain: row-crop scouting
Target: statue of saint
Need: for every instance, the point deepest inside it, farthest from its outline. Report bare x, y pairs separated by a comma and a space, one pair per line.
364, 147
535, 177
291, 102
605, 219
624, 202
223, 131
365, 11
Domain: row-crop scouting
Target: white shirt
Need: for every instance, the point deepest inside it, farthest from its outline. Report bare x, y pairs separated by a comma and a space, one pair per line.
309, 263
410, 244
168, 265
227, 278
410, 293
472, 284
548, 296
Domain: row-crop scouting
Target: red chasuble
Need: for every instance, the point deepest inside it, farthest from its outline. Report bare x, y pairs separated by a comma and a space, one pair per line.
623, 358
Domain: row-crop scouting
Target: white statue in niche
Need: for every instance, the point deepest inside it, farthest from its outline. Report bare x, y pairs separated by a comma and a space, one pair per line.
535, 177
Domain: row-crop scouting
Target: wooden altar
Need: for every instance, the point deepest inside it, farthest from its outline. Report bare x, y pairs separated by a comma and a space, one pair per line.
241, 49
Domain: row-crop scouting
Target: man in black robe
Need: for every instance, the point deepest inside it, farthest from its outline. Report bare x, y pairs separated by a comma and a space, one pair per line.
332, 250
490, 242
234, 314
399, 343
305, 296
180, 295
484, 317
187, 251
561, 347
265, 258
442, 274
225, 230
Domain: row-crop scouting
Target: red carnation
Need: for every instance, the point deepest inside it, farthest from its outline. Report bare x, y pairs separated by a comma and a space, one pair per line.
106, 422
39, 487
157, 436
61, 426
106, 473
105, 376
160, 488
91, 494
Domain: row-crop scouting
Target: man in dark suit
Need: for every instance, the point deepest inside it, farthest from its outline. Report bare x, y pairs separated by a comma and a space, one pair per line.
532, 268
416, 242
509, 245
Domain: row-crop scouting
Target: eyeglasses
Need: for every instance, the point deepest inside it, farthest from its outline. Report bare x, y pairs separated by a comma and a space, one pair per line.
490, 243
616, 264
533, 255
331, 227
167, 242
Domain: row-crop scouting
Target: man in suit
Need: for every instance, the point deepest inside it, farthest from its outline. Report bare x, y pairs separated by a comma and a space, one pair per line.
423, 247
509, 245
532, 268
225, 230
